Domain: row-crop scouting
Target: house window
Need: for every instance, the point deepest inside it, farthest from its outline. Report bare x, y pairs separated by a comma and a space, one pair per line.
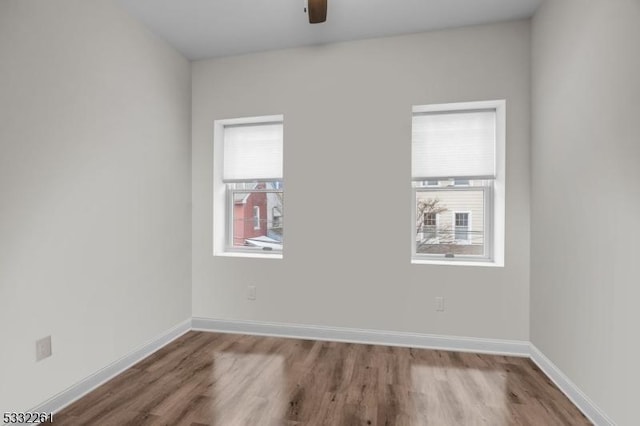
430, 226
429, 219
256, 217
461, 148
276, 215
248, 187
461, 233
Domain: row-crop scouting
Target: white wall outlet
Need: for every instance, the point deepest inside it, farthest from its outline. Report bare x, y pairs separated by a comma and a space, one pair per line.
440, 304
251, 292
43, 348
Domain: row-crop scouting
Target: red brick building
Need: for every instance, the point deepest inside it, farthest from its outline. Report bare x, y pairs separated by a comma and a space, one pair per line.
249, 215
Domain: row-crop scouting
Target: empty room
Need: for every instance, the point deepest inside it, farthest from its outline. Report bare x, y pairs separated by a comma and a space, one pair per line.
459, 182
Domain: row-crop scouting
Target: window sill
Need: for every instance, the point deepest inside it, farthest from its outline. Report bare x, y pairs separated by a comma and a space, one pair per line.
248, 254
487, 263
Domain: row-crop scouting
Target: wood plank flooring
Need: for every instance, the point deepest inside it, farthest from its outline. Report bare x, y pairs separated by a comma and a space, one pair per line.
225, 379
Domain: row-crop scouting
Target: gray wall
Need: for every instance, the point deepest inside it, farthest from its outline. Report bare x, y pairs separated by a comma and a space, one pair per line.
347, 111
94, 191
585, 198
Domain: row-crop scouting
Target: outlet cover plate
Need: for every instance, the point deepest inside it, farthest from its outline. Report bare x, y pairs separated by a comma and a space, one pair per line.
251, 292
43, 348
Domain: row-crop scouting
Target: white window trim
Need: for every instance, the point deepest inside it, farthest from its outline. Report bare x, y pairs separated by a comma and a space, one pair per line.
220, 212
496, 236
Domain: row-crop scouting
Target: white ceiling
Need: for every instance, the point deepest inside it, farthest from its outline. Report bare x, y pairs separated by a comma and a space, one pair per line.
209, 28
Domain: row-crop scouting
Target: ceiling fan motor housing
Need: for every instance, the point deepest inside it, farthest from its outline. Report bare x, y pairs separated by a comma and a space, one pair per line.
317, 11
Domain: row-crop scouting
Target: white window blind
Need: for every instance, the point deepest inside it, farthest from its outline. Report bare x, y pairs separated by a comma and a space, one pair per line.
252, 152
455, 144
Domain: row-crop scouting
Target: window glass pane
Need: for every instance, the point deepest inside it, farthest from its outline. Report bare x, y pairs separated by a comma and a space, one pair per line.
450, 222
452, 182
257, 215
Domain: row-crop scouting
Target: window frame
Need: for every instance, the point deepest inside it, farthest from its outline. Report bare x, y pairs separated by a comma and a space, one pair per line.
230, 247
494, 193
223, 203
488, 222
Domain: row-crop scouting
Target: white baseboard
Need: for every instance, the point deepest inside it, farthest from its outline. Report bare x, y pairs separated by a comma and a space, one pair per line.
373, 337
337, 334
80, 389
414, 340
573, 392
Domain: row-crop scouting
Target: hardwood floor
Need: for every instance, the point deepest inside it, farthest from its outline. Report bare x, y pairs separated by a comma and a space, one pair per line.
225, 379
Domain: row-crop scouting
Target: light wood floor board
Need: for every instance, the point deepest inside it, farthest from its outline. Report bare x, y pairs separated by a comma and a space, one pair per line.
225, 379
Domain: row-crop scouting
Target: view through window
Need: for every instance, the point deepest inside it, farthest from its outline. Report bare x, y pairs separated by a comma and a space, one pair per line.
257, 210
450, 219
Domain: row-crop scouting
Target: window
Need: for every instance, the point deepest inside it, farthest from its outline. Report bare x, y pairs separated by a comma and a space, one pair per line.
256, 217
457, 168
429, 219
462, 229
276, 214
248, 187
430, 227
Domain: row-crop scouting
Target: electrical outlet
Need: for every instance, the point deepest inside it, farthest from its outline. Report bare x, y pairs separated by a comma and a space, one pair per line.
251, 292
43, 348
440, 304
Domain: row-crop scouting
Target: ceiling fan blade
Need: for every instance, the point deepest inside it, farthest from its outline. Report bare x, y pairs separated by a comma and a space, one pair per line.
317, 11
